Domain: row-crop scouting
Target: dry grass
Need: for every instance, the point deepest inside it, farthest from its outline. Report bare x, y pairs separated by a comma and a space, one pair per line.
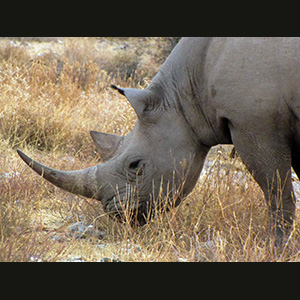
52, 93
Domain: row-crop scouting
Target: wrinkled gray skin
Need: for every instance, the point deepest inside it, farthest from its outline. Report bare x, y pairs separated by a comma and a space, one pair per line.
210, 91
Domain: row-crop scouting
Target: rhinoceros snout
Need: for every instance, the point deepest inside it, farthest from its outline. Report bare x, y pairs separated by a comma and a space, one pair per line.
128, 209
138, 216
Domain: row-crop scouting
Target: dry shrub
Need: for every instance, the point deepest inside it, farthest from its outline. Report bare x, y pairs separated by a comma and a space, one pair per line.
13, 52
50, 112
21, 230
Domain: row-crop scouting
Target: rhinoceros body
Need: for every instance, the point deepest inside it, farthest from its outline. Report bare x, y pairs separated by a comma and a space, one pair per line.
209, 91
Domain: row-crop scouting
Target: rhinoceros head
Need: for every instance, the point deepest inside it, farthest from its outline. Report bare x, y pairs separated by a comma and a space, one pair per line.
158, 159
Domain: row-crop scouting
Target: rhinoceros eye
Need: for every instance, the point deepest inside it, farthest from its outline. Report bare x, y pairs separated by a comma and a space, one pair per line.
135, 165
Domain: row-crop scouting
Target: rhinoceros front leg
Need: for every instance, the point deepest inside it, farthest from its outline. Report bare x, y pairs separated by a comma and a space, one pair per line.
269, 160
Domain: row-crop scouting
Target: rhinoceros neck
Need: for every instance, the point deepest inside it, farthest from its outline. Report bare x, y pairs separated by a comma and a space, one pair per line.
182, 82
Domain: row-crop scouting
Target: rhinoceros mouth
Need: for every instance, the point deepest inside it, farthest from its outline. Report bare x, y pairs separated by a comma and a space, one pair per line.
125, 208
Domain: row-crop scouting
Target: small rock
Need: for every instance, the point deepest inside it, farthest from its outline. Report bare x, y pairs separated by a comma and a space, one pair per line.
59, 238
206, 252
100, 234
80, 230
110, 259
182, 259
35, 259
10, 175
76, 259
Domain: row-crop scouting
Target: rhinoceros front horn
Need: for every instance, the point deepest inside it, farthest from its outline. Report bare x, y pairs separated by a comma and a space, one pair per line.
81, 182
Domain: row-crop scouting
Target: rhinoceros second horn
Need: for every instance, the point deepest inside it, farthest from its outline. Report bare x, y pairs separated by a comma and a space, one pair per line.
106, 144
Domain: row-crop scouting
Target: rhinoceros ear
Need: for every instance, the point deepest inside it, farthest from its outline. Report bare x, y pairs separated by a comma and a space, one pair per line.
141, 100
106, 144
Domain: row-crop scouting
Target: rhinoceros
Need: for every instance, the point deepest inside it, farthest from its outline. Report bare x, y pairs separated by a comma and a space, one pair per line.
209, 91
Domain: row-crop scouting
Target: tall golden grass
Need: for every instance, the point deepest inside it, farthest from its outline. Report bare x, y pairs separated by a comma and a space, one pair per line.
52, 93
